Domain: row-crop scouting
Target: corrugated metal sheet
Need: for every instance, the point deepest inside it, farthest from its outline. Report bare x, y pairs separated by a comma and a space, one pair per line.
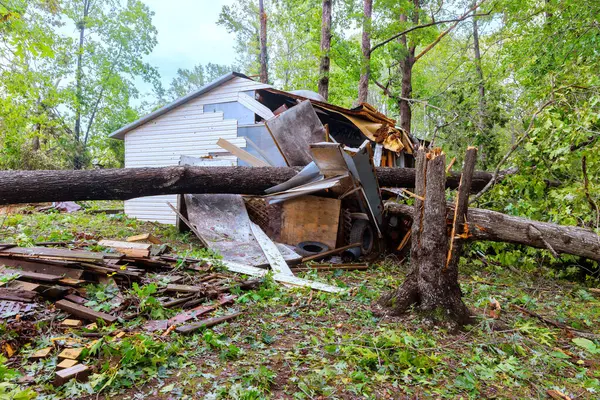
182, 130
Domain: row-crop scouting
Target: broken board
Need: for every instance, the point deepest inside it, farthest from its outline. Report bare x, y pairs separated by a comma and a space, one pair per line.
270, 250
311, 218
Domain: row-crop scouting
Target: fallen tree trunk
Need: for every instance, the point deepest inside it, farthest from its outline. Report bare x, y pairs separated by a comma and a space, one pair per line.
498, 227
122, 184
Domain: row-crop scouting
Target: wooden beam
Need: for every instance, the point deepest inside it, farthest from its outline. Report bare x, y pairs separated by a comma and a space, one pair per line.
242, 154
84, 312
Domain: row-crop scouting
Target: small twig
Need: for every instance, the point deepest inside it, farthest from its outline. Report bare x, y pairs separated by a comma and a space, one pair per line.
411, 194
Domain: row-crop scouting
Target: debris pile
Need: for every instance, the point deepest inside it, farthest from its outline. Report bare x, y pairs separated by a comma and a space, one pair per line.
53, 285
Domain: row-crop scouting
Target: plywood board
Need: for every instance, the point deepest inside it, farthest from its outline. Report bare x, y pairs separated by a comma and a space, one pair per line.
311, 218
294, 130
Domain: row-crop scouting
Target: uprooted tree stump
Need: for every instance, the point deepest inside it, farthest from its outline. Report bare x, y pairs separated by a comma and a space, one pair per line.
431, 285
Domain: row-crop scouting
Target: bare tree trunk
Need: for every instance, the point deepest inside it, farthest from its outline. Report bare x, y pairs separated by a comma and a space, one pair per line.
406, 67
77, 161
264, 74
430, 287
365, 69
127, 183
325, 47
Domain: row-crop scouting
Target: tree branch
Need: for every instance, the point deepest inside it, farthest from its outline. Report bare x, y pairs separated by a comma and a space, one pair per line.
450, 29
525, 135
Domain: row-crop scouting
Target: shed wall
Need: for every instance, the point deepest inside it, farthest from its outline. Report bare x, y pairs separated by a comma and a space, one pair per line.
185, 130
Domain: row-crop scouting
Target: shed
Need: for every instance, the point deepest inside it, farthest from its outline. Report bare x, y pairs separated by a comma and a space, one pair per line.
234, 107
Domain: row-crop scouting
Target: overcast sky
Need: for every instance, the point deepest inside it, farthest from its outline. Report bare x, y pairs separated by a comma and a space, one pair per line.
188, 34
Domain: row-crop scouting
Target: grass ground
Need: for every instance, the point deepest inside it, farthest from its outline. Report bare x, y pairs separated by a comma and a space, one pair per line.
298, 344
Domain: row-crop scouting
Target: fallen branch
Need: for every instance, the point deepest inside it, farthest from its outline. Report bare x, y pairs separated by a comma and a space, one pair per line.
557, 324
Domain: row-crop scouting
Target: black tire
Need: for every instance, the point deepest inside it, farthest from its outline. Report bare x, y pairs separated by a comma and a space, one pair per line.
309, 248
362, 232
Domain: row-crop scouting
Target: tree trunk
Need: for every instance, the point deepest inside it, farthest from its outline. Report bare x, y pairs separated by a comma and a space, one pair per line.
78, 159
497, 227
122, 184
365, 69
325, 47
430, 287
406, 67
264, 74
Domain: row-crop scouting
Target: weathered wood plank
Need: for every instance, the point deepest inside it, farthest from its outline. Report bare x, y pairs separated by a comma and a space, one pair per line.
270, 250
207, 323
84, 312
41, 267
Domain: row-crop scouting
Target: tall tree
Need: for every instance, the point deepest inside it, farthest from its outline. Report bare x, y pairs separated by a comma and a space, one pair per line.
365, 70
189, 80
325, 48
264, 70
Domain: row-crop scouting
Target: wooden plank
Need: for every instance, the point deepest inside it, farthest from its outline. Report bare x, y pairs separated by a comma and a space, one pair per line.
242, 154
206, 323
25, 296
42, 353
116, 244
22, 285
66, 363
72, 323
76, 299
71, 354
310, 218
144, 236
184, 288
270, 250
79, 372
41, 267
51, 253
84, 312
255, 106
199, 311
30, 275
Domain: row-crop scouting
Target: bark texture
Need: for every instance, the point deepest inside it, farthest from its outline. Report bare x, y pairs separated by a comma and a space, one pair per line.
122, 184
365, 70
498, 227
264, 74
325, 47
429, 286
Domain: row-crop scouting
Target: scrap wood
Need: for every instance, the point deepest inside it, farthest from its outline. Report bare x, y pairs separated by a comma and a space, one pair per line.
24, 296
557, 394
332, 267
184, 288
207, 323
30, 275
190, 225
79, 372
557, 324
42, 267
200, 310
241, 154
84, 312
331, 252
66, 363
144, 236
52, 253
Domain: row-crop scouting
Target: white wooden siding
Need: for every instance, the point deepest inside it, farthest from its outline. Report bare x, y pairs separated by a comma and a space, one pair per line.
185, 130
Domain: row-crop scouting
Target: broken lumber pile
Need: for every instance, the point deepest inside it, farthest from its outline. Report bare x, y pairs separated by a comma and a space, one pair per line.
122, 184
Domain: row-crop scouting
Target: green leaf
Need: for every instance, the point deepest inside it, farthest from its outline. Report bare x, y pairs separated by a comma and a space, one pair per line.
587, 345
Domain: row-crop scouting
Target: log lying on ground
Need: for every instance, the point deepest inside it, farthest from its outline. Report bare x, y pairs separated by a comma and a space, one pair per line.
498, 227
122, 184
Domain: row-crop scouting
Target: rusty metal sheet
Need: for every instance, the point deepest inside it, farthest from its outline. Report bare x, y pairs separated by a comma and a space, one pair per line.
294, 130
